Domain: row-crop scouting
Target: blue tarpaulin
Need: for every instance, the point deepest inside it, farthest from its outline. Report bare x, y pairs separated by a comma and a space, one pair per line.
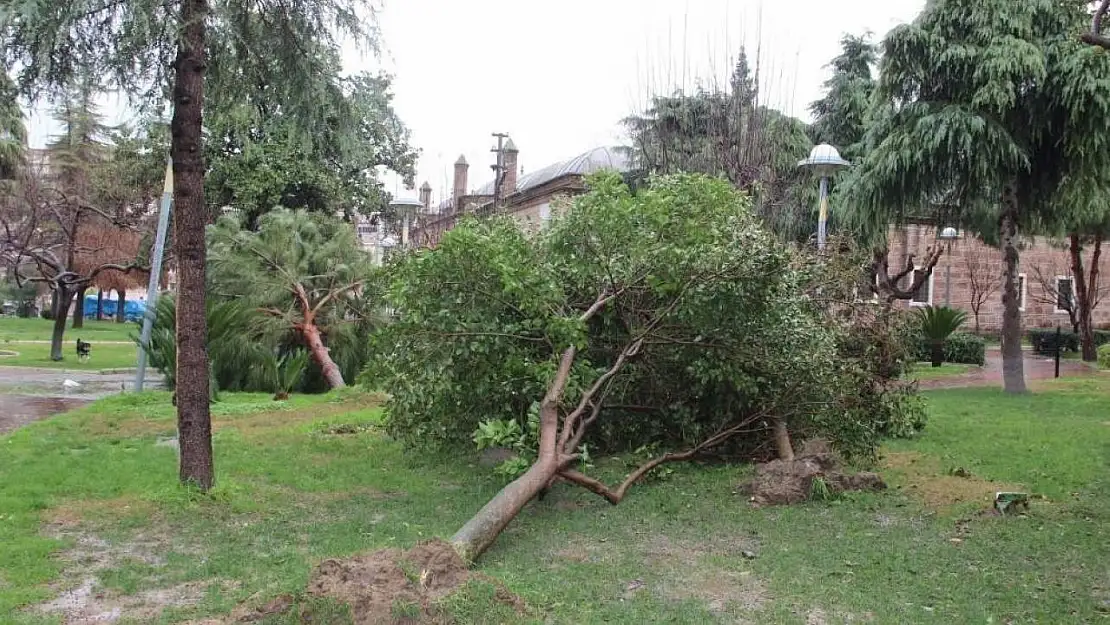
132, 310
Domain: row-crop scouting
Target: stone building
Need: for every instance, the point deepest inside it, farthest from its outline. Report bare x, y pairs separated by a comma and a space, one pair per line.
529, 198
971, 270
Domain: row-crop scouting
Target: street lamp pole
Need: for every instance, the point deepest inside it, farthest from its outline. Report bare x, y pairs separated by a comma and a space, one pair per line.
948, 235
824, 160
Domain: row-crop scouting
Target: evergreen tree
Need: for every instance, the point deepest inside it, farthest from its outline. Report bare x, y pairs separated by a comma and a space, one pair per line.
989, 113
13, 134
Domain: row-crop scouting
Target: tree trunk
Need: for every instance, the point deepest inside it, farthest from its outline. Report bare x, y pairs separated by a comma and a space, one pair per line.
62, 297
1013, 366
79, 310
782, 440
100, 304
194, 423
321, 355
937, 352
1083, 297
121, 312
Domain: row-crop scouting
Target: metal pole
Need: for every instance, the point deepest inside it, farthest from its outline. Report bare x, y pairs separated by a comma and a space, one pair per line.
823, 213
155, 274
1058, 340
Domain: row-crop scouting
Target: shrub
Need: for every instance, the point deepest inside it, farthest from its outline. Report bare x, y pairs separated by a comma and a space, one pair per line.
1104, 356
1044, 340
937, 324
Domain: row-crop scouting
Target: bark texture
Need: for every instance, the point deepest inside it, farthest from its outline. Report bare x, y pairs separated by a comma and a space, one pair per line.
194, 422
100, 304
1013, 366
121, 314
321, 354
1085, 294
62, 297
79, 310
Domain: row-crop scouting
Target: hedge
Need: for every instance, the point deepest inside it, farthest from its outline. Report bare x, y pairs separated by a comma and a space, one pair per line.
1044, 340
1104, 357
960, 348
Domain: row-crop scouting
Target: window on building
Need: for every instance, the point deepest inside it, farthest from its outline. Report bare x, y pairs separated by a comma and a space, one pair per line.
923, 296
1065, 293
1021, 291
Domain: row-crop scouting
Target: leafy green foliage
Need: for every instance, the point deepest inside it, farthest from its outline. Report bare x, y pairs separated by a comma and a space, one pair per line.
1104, 356
286, 370
978, 94
13, 133
939, 322
482, 319
959, 348
840, 117
1044, 340
236, 352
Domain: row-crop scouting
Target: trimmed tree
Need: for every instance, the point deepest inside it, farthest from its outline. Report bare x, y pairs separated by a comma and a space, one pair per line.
988, 112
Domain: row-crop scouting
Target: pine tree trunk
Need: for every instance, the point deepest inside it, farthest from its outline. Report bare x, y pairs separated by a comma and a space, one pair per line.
1013, 365
937, 353
121, 306
100, 304
194, 423
62, 297
321, 355
1083, 296
79, 310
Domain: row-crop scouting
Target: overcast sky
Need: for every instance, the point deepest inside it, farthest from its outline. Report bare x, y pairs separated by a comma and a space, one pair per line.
558, 76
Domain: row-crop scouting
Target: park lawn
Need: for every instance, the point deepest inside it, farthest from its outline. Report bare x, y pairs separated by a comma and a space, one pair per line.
313, 478
103, 356
38, 329
926, 371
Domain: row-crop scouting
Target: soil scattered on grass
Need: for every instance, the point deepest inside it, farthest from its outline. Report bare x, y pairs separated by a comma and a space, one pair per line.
391, 586
923, 477
782, 482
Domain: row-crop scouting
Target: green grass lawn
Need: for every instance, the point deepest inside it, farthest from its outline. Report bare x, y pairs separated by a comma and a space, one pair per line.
104, 356
36, 329
926, 371
93, 486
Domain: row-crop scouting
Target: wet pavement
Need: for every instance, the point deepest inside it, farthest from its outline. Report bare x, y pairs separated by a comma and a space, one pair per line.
19, 410
28, 394
1036, 368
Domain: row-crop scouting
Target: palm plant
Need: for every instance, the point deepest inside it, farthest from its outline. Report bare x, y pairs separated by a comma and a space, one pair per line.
937, 324
286, 371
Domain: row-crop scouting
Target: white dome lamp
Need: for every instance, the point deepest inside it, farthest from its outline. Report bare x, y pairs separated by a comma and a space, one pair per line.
406, 207
825, 160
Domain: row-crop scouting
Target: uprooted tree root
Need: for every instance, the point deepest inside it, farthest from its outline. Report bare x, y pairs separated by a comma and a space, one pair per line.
795, 481
391, 586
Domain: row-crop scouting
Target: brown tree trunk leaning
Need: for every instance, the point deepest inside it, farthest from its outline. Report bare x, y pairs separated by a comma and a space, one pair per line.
79, 310
121, 312
320, 354
194, 423
783, 445
62, 297
1083, 297
100, 304
1013, 366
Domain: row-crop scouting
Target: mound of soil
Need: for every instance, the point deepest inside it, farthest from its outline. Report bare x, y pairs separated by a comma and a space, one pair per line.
391, 586
781, 482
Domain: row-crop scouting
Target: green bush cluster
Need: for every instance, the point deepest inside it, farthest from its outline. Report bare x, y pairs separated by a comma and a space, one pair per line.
1104, 356
960, 348
483, 318
1044, 340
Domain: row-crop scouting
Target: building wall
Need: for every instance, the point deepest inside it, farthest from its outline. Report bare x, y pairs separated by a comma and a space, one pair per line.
970, 258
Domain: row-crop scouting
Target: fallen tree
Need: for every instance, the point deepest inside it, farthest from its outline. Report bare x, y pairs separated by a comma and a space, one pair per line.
667, 320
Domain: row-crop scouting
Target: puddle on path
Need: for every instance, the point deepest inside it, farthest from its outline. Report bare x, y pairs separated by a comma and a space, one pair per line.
19, 410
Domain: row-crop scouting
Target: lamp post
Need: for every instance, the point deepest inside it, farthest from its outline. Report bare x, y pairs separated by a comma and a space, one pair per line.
155, 274
406, 207
825, 160
948, 235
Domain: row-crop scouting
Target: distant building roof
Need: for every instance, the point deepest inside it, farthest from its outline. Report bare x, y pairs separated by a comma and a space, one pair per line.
586, 163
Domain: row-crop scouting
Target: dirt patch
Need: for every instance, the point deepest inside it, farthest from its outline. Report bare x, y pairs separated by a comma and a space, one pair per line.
720, 590
391, 586
19, 410
782, 482
923, 477
87, 604
72, 513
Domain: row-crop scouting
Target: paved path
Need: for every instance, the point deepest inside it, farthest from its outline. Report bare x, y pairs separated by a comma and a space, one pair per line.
1036, 368
28, 394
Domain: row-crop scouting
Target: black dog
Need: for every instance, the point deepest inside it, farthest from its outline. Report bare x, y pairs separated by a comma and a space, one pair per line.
83, 350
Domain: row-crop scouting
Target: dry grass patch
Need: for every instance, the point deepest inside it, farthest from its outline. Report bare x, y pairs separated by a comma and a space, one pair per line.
923, 477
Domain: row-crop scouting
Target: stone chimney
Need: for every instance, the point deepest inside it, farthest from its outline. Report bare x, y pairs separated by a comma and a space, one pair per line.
426, 196
509, 177
459, 186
